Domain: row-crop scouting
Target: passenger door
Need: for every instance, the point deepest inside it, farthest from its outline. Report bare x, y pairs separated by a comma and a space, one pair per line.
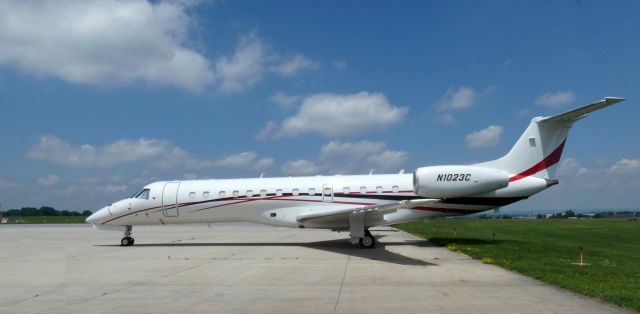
170, 199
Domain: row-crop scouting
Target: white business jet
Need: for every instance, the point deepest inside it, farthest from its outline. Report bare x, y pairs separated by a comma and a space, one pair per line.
355, 203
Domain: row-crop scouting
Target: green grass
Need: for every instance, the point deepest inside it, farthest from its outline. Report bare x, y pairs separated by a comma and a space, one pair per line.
547, 250
47, 220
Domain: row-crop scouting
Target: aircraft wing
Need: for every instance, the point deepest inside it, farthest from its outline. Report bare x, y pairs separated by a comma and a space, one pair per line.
379, 209
579, 113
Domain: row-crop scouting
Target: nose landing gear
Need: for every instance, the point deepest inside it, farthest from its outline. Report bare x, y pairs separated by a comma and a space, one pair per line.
127, 240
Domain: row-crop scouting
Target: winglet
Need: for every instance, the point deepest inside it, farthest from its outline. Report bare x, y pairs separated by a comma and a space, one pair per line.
579, 113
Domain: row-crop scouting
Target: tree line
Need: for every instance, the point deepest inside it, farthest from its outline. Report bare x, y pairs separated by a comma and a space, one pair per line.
42, 211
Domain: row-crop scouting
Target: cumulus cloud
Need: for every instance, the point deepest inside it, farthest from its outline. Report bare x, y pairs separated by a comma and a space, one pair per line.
50, 180
246, 160
626, 166
300, 167
458, 98
606, 179
294, 65
555, 99
245, 67
157, 153
349, 157
485, 137
335, 115
102, 43
283, 100
56, 150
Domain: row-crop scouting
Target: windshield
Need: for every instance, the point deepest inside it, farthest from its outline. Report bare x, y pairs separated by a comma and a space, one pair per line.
144, 194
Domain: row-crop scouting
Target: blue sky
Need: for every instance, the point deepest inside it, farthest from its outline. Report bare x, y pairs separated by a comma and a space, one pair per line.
102, 97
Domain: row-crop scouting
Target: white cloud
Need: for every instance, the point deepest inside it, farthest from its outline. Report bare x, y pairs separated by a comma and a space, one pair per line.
555, 99
358, 157
244, 160
300, 167
55, 150
102, 43
267, 131
264, 163
338, 157
50, 180
626, 166
294, 65
283, 100
571, 167
339, 115
458, 98
245, 68
485, 137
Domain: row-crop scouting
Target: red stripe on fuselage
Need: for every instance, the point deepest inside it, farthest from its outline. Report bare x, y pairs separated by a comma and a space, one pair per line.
549, 161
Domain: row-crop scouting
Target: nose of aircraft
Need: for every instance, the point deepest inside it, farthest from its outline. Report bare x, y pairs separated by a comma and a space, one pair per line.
98, 217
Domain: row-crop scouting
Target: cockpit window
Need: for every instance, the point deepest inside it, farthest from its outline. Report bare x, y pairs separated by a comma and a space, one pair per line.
144, 194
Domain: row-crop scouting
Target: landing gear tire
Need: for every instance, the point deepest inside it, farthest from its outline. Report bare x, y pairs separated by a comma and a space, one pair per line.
126, 241
368, 242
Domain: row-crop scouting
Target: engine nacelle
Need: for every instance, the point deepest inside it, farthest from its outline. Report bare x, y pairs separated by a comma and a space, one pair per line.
457, 181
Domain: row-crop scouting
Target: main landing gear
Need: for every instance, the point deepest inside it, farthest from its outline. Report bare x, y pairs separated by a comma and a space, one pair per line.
368, 241
127, 240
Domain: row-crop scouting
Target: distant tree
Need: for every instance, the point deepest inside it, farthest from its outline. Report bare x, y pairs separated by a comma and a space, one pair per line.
540, 216
557, 216
569, 213
86, 213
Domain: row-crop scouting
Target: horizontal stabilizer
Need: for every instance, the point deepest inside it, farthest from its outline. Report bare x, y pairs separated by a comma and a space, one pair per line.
579, 113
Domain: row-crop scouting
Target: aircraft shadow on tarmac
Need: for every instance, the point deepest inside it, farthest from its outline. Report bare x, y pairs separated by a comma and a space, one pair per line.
340, 246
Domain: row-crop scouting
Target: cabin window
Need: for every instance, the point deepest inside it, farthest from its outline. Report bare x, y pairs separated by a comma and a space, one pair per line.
192, 195
272, 214
363, 190
395, 189
236, 193
263, 193
205, 194
279, 192
345, 190
222, 194
327, 191
379, 189
249, 193
295, 192
312, 191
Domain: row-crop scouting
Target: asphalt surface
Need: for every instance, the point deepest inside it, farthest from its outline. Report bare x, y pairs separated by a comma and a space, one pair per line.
243, 268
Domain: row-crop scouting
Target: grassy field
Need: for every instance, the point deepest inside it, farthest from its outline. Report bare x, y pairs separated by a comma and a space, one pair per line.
46, 219
548, 250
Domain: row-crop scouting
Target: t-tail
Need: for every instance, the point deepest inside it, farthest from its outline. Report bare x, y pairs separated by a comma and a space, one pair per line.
539, 149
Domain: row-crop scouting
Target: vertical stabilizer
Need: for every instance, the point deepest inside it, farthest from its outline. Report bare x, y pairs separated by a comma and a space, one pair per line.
538, 151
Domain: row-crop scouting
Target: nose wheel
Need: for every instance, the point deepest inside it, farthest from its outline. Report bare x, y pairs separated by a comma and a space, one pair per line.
127, 240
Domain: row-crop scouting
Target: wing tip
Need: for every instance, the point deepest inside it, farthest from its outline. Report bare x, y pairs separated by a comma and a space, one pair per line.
613, 100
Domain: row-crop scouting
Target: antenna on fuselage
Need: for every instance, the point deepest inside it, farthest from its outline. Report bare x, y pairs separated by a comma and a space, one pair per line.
401, 171
261, 175
371, 171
